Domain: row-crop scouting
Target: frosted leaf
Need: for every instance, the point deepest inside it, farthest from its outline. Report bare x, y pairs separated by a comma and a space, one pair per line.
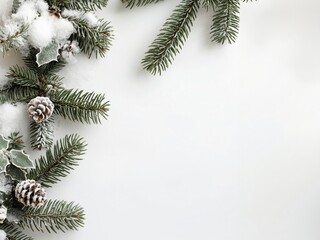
4, 143
20, 159
4, 161
48, 54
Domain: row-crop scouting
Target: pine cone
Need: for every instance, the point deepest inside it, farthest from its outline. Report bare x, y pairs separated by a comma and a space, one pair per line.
30, 193
40, 109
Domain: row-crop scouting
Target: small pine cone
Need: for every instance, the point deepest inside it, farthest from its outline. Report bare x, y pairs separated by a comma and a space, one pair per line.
40, 109
30, 193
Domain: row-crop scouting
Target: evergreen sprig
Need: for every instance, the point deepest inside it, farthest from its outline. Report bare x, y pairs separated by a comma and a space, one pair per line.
175, 31
54, 216
80, 106
15, 93
84, 5
30, 81
138, 3
58, 161
225, 23
23, 76
41, 134
13, 232
171, 38
92, 39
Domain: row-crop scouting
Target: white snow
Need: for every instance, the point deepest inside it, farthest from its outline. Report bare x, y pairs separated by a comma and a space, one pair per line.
26, 13
13, 118
71, 13
40, 32
3, 235
5, 9
91, 19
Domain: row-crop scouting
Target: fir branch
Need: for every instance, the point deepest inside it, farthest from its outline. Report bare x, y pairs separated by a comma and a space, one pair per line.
59, 160
41, 134
92, 39
83, 5
13, 232
81, 106
14, 94
9, 40
225, 23
210, 3
171, 38
54, 216
23, 76
138, 3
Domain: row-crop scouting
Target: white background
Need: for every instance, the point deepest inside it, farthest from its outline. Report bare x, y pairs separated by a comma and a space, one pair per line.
224, 145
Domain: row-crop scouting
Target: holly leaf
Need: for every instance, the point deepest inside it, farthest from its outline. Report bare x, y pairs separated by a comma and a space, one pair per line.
16, 173
4, 143
20, 159
48, 54
4, 161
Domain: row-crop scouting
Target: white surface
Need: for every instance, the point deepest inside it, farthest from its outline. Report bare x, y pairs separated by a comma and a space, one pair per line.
225, 145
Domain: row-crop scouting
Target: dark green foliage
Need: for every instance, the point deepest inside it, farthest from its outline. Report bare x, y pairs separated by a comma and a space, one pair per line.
13, 232
84, 5
41, 134
16, 93
53, 216
81, 106
58, 161
225, 24
92, 39
175, 31
138, 3
171, 38
23, 76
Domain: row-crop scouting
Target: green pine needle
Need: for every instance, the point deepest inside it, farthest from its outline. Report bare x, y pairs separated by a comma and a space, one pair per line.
59, 161
15, 94
53, 216
225, 23
84, 5
23, 76
172, 37
138, 3
92, 39
13, 232
41, 134
81, 106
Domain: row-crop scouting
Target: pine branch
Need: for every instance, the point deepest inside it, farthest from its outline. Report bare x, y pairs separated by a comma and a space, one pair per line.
41, 134
13, 232
92, 39
225, 23
138, 3
81, 106
172, 37
23, 76
210, 3
54, 216
83, 5
59, 160
9, 40
14, 94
